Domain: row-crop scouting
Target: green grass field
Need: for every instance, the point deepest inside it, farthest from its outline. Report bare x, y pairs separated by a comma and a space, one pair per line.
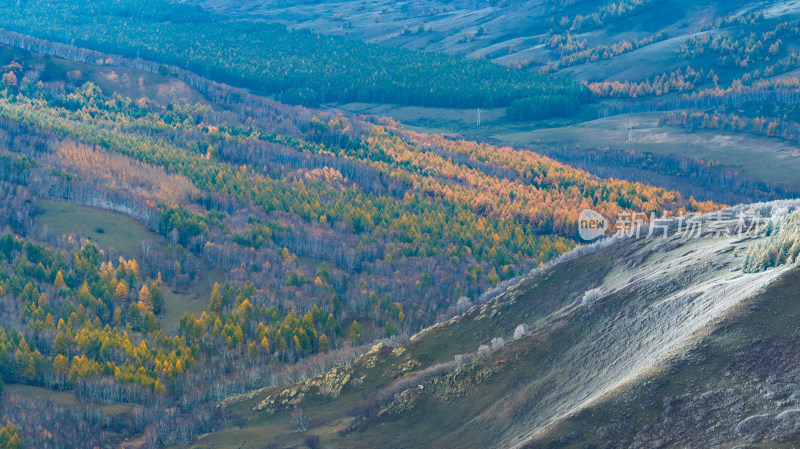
109, 230
462, 122
194, 301
106, 229
60, 397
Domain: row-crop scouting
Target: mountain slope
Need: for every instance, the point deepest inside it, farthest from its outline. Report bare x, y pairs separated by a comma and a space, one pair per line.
509, 32
595, 330
269, 238
638, 57
300, 67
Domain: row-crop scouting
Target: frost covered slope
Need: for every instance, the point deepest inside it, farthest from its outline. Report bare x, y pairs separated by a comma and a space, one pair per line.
672, 297
559, 344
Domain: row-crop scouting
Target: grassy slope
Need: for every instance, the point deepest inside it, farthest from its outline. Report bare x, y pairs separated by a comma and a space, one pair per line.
125, 234
61, 397
761, 158
506, 39
510, 391
543, 295
119, 232
106, 229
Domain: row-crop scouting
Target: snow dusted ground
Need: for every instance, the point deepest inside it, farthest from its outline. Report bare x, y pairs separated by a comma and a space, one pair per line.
661, 296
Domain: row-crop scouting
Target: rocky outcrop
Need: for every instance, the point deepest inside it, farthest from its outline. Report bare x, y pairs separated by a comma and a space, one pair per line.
755, 427
785, 427
330, 385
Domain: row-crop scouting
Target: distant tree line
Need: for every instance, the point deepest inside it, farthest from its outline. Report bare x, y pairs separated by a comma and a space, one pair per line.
602, 13
694, 178
762, 126
746, 47
302, 67
542, 107
573, 52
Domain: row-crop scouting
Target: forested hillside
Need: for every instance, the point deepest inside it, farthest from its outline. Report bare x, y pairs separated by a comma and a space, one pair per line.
636, 57
326, 230
182, 251
298, 66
